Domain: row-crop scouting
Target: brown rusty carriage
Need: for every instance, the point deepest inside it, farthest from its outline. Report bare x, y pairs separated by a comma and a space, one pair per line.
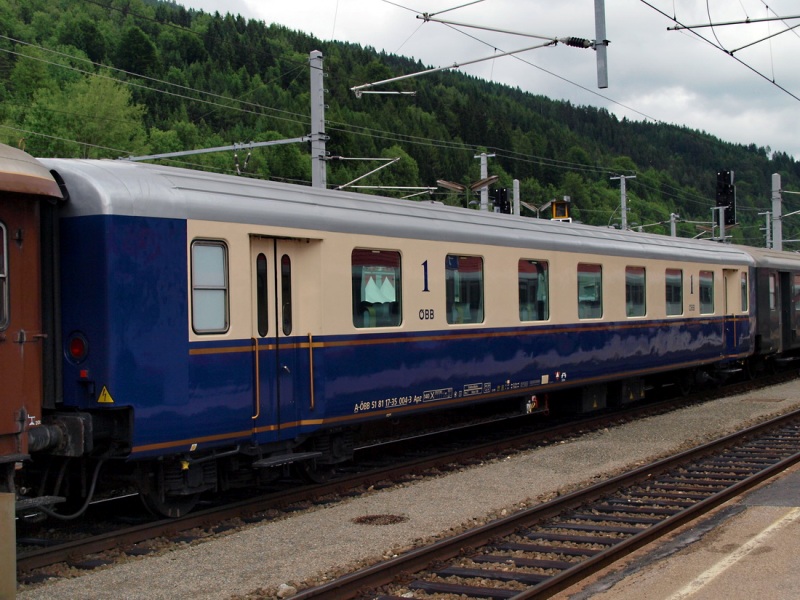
28, 192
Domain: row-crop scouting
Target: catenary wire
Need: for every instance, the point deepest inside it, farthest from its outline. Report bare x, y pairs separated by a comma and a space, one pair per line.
388, 136
721, 49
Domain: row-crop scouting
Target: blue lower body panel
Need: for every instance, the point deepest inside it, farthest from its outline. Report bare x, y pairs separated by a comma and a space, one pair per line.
375, 376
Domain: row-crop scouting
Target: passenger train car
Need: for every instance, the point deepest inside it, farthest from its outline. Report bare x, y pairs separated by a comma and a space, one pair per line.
207, 330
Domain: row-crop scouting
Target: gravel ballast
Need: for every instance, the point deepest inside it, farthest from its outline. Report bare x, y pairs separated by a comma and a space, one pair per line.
319, 543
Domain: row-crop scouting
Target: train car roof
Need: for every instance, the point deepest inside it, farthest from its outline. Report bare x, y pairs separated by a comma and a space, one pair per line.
22, 173
774, 259
106, 187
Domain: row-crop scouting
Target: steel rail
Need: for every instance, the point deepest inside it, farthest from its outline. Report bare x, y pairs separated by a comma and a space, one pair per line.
30, 560
385, 573
42, 557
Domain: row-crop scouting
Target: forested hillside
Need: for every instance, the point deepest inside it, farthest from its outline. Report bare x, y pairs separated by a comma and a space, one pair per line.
110, 78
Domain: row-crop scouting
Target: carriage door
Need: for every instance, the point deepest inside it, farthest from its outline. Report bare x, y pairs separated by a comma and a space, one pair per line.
734, 298
20, 322
790, 303
274, 355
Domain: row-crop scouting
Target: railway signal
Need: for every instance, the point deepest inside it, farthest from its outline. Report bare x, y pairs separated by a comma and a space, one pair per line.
726, 196
501, 202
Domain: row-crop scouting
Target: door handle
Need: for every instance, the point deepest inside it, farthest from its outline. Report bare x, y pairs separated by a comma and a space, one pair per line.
257, 380
22, 337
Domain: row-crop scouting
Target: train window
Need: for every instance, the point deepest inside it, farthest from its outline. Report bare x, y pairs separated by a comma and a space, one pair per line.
209, 287
796, 292
534, 295
590, 291
744, 292
3, 277
706, 292
262, 298
376, 288
463, 289
286, 294
773, 288
635, 279
674, 282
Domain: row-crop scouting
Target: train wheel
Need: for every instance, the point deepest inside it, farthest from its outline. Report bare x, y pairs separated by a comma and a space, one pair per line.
314, 473
155, 498
171, 507
753, 368
685, 382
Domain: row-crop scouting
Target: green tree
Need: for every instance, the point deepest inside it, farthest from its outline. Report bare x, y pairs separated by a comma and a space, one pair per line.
84, 35
402, 173
137, 53
92, 118
29, 75
235, 80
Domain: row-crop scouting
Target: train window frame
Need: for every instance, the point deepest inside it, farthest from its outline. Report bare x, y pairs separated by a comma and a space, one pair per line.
635, 291
590, 291
5, 312
706, 292
262, 295
673, 294
286, 294
744, 290
379, 305
772, 281
534, 291
210, 292
795, 298
460, 283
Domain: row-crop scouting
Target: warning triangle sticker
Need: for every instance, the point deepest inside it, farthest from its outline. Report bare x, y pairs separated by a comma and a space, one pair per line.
105, 397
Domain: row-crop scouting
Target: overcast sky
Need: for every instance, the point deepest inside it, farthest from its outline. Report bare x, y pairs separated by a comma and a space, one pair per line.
670, 76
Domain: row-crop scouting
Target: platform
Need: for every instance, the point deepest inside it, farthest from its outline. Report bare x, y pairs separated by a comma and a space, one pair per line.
747, 548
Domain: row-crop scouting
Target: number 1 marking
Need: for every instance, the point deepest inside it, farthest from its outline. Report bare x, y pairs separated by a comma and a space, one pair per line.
425, 276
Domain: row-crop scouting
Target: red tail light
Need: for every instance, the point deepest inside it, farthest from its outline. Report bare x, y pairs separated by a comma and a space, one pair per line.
77, 347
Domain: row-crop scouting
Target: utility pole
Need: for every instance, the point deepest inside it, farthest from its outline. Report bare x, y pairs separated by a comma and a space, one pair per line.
767, 228
516, 198
484, 174
624, 199
721, 210
673, 219
319, 176
601, 43
777, 223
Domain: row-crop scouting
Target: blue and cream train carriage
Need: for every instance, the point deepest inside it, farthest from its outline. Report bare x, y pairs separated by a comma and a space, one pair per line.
215, 328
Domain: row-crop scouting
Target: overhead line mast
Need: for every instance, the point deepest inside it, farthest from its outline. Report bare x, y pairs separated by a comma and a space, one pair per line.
600, 45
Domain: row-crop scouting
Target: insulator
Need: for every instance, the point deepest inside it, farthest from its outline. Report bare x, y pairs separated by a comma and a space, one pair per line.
576, 42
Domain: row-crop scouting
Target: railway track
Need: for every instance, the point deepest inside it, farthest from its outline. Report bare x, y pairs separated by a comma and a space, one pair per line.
417, 459
400, 460
541, 551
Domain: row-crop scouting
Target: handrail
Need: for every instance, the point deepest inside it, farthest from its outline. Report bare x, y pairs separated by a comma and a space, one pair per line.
257, 382
311, 367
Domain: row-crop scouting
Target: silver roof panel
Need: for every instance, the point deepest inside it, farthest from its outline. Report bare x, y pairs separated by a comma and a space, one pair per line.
104, 187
